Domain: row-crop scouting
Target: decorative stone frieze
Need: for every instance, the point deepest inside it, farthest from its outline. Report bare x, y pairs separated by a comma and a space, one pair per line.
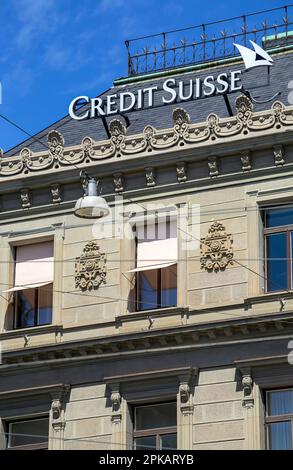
246, 160
246, 121
90, 267
216, 248
25, 198
279, 155
56, 193
150, 176
213, 166
118, 182
181, 172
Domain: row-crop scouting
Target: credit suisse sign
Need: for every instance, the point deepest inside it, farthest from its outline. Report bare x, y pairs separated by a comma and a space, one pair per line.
172, 91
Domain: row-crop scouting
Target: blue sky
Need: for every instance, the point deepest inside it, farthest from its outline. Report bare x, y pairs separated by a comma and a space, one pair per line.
54, 50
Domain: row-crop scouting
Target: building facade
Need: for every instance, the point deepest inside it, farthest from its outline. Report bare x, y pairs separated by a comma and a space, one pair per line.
168, 323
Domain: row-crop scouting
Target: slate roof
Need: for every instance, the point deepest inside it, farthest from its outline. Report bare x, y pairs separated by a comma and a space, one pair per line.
261, 82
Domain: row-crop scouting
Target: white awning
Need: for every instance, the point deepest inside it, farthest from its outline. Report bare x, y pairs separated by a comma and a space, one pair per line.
28, 286
34, 264
156, 246
152, 266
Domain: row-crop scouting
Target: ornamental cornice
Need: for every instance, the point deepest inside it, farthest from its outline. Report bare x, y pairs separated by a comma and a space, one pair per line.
246, 123
146, 342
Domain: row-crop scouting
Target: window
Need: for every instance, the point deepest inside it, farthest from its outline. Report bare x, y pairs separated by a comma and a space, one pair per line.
34, 306
155, 426
278, 248
279, 419
156, 261
28, 434
33, 285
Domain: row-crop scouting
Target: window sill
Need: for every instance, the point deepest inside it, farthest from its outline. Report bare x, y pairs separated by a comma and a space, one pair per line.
268, 296
19, 332
156, 312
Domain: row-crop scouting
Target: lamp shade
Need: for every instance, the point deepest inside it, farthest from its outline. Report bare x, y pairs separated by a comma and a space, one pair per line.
91, 206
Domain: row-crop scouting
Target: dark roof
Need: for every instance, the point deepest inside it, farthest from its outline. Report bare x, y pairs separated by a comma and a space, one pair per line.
263, 82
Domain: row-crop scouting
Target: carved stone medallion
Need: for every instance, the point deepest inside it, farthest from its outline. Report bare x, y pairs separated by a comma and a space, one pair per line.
90, 267
216, 248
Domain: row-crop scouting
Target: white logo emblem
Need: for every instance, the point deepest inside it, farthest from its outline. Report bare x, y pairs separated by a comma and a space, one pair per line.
254, 58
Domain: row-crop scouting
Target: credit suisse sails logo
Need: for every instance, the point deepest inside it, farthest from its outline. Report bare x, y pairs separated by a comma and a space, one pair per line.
175, 90
254, 58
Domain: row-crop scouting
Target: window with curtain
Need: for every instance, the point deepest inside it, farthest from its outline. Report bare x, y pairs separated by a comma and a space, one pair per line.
278, 232
28, 434
156, 265
155, 426
279, 419
33, 284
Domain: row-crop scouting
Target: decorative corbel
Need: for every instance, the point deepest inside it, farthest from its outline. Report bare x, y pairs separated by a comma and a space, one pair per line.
56, 193
181, 172
213, 166
246, 160
116, 399
58, 417
185, 385
150, 176
25, 198
118, 182
247, 384
279, 155
184, 391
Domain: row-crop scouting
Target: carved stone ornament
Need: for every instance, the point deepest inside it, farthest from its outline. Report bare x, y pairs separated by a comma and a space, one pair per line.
279, 155
117, 131
244, 108
90, 267
181, 172
245, 160
118, 182
56, 193
216, 248
247, 384
181, 121
56, 145
150, 176
87, 145
184, 391
56, 408
25, 198
213, 166
115, 400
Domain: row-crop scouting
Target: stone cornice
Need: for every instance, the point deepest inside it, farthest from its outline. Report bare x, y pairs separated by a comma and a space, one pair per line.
219, 333
120, 147
55, 391
151, 375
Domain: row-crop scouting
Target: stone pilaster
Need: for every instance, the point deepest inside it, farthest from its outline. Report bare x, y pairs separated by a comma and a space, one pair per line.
249, 410
117, 422
185, 411
57, 420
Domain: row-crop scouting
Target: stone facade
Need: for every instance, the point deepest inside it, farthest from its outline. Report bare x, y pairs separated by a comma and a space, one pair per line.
216, 352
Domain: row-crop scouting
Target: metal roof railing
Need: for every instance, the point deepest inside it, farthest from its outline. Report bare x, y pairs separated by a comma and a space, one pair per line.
208, 42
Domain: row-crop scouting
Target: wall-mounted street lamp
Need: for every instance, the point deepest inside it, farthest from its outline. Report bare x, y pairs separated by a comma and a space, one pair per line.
91, 206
